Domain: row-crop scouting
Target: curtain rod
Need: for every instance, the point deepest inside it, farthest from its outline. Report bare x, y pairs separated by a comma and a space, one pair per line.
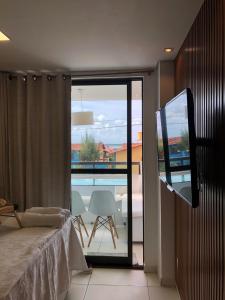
35, 76
111, 73
82, 74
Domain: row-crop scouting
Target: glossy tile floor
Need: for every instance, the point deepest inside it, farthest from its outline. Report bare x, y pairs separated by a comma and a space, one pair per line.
102, 243
138, 254
118, 284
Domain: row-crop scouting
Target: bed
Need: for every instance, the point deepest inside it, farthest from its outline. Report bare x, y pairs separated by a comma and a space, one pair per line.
36, 263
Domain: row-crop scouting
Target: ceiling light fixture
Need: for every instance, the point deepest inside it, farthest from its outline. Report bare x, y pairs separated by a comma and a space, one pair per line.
82, 117
3, 37
168, 50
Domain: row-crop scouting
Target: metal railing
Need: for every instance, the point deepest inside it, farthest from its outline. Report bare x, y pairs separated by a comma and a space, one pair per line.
103, 165
180, 160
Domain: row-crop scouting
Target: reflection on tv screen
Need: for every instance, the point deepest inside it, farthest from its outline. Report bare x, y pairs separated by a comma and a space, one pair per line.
181, 181
176, 146
177, 131
161, 155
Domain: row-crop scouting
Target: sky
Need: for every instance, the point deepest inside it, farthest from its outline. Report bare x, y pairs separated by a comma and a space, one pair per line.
110, 121
176, 115
109, 105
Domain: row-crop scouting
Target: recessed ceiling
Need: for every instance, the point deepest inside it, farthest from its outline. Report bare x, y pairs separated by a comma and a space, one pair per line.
92, 35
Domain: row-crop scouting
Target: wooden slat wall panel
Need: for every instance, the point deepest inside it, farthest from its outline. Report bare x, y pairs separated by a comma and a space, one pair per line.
200, 240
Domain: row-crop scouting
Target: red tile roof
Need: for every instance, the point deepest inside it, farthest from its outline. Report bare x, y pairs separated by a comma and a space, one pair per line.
75, 147
174, 140
101, 147
124, 147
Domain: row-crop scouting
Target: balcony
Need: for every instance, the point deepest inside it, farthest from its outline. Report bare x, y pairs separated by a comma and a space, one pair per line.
86, 184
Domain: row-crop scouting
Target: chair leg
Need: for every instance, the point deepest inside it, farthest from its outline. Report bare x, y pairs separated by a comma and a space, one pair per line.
111, 230
79, 229
96, 227
93, 231
113, 224
82, 223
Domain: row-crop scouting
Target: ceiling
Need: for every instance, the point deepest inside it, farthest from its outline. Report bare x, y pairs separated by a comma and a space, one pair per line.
83, 35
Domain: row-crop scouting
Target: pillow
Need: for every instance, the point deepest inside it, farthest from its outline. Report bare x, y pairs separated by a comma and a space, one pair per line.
3, 202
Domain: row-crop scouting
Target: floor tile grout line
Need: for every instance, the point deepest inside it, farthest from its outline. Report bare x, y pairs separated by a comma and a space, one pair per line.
85, 292
149, 293
149, 286
146, 287
127, 285
90, 277
87, 286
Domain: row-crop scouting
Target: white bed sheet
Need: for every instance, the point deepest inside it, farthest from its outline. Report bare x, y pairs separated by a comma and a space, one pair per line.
36, 263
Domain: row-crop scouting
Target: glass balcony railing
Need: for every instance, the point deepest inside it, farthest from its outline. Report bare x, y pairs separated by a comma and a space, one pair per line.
176, 161
115, 185
114, 203
104, 165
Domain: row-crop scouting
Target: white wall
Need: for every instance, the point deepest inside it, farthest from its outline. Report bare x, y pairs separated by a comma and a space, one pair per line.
150, 173
159, 235
166, 205
167, 262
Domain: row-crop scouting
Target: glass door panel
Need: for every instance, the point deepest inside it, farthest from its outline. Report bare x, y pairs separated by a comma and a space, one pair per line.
137, 195
102, 243
101, 169
103, 144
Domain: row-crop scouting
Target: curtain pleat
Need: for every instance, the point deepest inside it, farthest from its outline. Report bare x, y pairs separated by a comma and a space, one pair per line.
39, 124
17, 141
4, 141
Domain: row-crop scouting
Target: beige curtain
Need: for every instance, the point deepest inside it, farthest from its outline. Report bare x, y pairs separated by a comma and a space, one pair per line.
4, 138
38, 133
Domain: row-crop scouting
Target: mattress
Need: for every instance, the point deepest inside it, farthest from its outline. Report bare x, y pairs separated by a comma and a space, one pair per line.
36, 263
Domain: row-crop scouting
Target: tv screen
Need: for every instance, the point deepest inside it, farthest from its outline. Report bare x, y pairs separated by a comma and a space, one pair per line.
176, 132
161, 155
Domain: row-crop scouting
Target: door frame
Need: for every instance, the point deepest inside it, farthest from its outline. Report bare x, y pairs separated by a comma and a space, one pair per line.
112, 260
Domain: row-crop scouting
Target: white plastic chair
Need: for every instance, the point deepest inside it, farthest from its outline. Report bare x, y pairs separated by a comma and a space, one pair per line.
78, 208
103, 205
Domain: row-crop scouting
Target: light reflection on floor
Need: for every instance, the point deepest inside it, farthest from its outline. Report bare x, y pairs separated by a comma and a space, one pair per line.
102, 244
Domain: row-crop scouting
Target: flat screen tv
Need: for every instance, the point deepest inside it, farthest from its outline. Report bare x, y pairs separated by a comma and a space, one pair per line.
177, 146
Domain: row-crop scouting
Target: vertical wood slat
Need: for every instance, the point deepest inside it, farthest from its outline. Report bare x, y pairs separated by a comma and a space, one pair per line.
223, 128
200, 240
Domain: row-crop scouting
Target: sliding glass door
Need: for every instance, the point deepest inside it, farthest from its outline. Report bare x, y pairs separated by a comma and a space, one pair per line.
101, 169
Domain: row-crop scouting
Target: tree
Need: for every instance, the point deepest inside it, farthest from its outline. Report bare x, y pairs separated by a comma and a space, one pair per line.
184, 145
89, 150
